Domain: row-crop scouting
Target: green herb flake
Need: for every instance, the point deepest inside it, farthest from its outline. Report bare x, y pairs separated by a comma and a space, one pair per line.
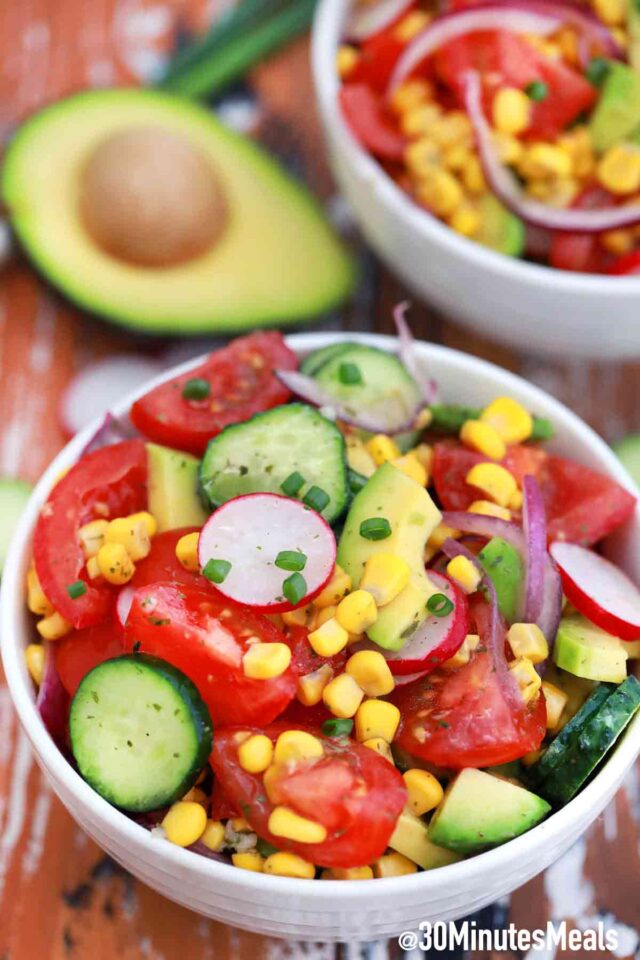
337, 727
538, 90
295, 588
196, 389
216, 570
375, 528
350, 374
316, 498
293, 560
439, 605
293, 484
77, 589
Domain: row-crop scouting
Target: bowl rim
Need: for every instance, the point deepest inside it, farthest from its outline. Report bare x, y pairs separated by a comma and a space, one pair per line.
12, 642
328, 20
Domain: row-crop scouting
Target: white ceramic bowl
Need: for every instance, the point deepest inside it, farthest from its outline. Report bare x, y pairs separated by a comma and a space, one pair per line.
327, 910
524, 305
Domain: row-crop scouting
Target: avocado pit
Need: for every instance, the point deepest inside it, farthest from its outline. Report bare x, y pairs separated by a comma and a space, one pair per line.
150, 198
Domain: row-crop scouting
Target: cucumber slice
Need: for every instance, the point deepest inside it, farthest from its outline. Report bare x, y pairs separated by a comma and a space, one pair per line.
587, 651
629, 451
595, 739
14, 494
555, 754
257, 456
311, 364
140, 732
505, 568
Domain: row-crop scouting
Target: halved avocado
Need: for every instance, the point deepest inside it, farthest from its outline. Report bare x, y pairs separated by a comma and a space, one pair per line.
270, 257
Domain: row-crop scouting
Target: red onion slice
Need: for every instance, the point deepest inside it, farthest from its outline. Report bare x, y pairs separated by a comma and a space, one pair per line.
391, 416
407, 353
111, 430
534, 527
506, 187
52, 701
368, 19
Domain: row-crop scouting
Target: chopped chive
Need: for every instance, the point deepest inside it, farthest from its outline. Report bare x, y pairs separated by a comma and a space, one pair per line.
337, 727
316, 498
439, 605
216, 570
196, 389
295, 588
77, 589
597, 71
356, 480
537, 90
291, 560
293, 484
350, 374
375, 528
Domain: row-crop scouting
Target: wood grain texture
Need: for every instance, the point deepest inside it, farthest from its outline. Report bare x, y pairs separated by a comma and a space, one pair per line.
60, 897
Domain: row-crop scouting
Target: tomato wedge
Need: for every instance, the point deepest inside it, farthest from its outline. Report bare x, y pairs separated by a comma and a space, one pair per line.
162, 563
468, 718
569, 96
369, 123
452, 462
582, 252
627, 266
242, 383
352, 791
79, 652
205, 635
110, 482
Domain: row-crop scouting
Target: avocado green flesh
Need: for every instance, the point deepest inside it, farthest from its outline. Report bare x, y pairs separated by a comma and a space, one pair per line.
501, 230
480, 811
617, 114
277, 260
413, 516
628, 451
587, 651
505, 568
172, 488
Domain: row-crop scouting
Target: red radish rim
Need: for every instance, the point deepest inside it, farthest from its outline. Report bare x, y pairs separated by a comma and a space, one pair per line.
276, 607
584, 603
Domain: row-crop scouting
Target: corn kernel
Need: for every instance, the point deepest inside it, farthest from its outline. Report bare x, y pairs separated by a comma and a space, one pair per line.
556, 700
213, 836
321, 615
382, 448
509, 418
411, 466
187, 551
393, 865
53, 627
488, 509
348, 873
346, 59
377, 718
473, 177
36, 599
515, 503
251, 860
465, 573
150, 522
420, 120
184, 823
338, 586
131, 533
441, 533
440, 192
92, 536
385, 576
283, 864
463, 654
380, 745
262, 661
484, 438
618, 242
465, 220
93, 568
493, 480
510, 150
342, 696
297, 746
457, 157
284, 822
411, 93
453, 129
424, 791
544, 160
297, 617
611, 12
579, 146
511, 110
309, 688
115, 564
34, 656
330, 638
357, 612
371, 672
524, 673
411, 25
619, 169
424, 453
528, 640
256, 753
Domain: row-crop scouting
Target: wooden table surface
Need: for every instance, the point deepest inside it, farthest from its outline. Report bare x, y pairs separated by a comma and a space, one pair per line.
60, 897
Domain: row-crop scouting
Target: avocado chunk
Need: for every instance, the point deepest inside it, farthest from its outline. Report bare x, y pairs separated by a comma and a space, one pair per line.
505, 568
587, 651
617, 113
272, 257
412, 516
480, 811
411, 839
173, 488
501, 230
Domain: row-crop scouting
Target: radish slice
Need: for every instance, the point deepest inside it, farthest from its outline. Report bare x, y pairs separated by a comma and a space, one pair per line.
249, 532
99, 386
368, 19
123, 604
599, 590
437, 638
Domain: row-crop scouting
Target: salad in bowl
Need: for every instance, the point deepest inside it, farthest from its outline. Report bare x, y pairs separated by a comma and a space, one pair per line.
514, 122
314, 621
